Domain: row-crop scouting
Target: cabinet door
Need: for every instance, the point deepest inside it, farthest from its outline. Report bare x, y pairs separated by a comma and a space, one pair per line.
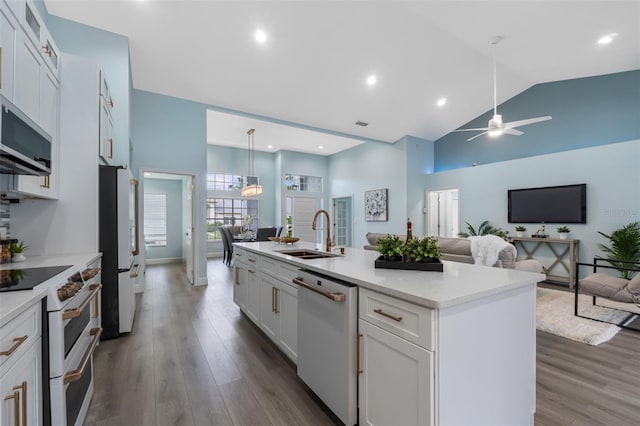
106, 132
395, 386
287, 307
27, 78
240, 286
253, 294
8, 34
269, 320
50, 52
21, 390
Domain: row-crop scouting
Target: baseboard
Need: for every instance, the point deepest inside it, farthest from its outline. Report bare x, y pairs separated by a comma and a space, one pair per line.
163, 260
201, 281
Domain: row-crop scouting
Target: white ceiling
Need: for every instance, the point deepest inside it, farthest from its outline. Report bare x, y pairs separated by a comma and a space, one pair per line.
312, 69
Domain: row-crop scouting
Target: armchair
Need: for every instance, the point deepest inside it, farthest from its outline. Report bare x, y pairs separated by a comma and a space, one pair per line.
609, 287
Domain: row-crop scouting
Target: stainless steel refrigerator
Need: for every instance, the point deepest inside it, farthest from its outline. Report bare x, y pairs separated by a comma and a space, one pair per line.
116, 226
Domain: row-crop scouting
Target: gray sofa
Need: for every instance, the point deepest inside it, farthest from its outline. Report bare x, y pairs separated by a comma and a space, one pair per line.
459, 250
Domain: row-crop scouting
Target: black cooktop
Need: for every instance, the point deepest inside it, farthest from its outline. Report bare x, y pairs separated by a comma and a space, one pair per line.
27, 278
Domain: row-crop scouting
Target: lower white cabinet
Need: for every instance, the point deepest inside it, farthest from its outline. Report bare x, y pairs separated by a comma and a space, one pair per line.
240, 285
253, 293
396, 379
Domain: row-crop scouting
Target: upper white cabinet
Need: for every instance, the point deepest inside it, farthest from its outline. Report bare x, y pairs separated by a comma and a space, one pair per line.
8, 33
30, 79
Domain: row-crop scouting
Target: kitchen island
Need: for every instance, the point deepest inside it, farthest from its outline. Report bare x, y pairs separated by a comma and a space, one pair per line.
452, 347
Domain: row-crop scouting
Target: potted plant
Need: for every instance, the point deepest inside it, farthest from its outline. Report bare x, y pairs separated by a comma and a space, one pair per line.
563, 232
625, 246
485, 228
424, 250
391, 247
520, 230
17, 251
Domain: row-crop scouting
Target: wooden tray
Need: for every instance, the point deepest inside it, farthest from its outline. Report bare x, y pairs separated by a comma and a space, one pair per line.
413, 266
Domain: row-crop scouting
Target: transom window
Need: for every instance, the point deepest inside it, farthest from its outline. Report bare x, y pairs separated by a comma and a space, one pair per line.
303, 183
227, 181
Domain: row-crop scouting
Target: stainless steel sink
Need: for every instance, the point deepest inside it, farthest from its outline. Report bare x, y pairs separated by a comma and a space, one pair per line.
307, 254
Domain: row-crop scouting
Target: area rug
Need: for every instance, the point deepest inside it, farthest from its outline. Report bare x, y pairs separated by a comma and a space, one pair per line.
554, 314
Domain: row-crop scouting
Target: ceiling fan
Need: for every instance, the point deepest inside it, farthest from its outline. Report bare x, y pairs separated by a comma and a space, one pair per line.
496, 127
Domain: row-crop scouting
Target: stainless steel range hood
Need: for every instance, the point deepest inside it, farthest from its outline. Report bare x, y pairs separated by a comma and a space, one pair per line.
25, 148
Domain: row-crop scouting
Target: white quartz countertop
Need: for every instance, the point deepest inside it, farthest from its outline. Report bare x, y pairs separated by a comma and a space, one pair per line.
13, 303
459, 283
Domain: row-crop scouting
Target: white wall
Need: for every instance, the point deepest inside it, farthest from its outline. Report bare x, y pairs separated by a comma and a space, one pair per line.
611, 172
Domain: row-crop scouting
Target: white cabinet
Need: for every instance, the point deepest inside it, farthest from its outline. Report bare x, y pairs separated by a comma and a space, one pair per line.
21, 369
287, 311
269, 318
395, 333
27, 77
240, 285
253, 293
397, 395
8, 33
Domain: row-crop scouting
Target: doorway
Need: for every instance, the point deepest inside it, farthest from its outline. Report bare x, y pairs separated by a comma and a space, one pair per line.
342, 222
443, 213
299, 217
168, 223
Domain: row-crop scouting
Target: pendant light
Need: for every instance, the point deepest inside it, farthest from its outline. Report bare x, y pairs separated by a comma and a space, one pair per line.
253, 189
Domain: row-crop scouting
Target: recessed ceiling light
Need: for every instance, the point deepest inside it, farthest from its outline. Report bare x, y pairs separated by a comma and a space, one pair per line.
270, 146
372, 79
608, 38
441, 102
320, 147
261, 36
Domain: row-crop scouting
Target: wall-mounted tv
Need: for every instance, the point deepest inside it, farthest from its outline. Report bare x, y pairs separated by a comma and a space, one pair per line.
553, 204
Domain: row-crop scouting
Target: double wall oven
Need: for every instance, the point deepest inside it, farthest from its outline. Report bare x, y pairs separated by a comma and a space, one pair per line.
74, 329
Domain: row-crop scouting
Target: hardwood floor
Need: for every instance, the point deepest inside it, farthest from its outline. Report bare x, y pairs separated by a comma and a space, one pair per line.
193, 359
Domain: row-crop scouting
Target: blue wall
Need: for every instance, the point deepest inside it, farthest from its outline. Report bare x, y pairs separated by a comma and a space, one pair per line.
111, 52
586, 112
173, 191
170, 135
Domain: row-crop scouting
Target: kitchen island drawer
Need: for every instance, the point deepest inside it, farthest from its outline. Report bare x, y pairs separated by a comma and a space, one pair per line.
17, 335
269, 266
411, 322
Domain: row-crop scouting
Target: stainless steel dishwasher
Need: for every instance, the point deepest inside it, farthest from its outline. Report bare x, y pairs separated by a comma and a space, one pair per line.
327, 345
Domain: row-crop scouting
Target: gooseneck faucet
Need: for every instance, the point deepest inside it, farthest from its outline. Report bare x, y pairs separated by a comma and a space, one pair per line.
329, 243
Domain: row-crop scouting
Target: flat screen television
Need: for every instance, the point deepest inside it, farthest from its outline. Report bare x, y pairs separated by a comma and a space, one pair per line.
553, 204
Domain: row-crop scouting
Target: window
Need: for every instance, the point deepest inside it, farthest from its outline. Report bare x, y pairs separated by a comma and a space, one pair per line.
230, 211
227, 181
303, 183
155, 219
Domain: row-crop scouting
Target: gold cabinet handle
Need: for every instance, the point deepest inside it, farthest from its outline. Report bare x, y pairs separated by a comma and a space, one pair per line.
384, 314
75, 312
111, 148
110, 102
336, 297
0, 67
16, 406
236, 280
18, 341
251, 260
23, 388
76, 374
277, 311
46, 183
46, 49
358, 368
251, 271
273, 299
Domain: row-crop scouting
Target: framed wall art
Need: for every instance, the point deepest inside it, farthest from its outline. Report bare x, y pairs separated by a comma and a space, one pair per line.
375, 205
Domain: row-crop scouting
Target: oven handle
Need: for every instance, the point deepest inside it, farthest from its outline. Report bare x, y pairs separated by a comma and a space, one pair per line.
75, 312
76, 374
336, 297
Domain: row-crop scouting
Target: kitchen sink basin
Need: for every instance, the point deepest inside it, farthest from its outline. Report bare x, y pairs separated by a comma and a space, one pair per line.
307, 254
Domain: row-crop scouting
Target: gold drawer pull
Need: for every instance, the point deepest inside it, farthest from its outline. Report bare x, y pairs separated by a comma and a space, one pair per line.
76, 374
16, 406
75, 312
384, 314
12, 349
358, 368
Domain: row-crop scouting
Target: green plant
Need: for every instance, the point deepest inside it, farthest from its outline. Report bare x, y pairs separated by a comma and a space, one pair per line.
563, 229
426, 248
625, 246
19, 247
521, 228
484, 229
390, 246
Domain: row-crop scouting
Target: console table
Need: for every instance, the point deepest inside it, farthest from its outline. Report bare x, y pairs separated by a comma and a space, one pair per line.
565, 251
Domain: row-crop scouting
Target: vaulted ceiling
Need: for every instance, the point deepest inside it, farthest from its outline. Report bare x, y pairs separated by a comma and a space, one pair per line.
313, 66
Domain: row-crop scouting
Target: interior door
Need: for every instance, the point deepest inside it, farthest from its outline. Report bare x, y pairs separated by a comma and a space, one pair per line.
189, 221
302, 214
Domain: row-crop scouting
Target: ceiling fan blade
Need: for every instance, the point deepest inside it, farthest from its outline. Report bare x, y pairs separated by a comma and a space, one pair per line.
512, 132
512, 124
472, 130
477, 136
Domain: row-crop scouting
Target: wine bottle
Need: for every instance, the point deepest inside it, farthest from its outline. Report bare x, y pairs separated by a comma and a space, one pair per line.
409, 234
